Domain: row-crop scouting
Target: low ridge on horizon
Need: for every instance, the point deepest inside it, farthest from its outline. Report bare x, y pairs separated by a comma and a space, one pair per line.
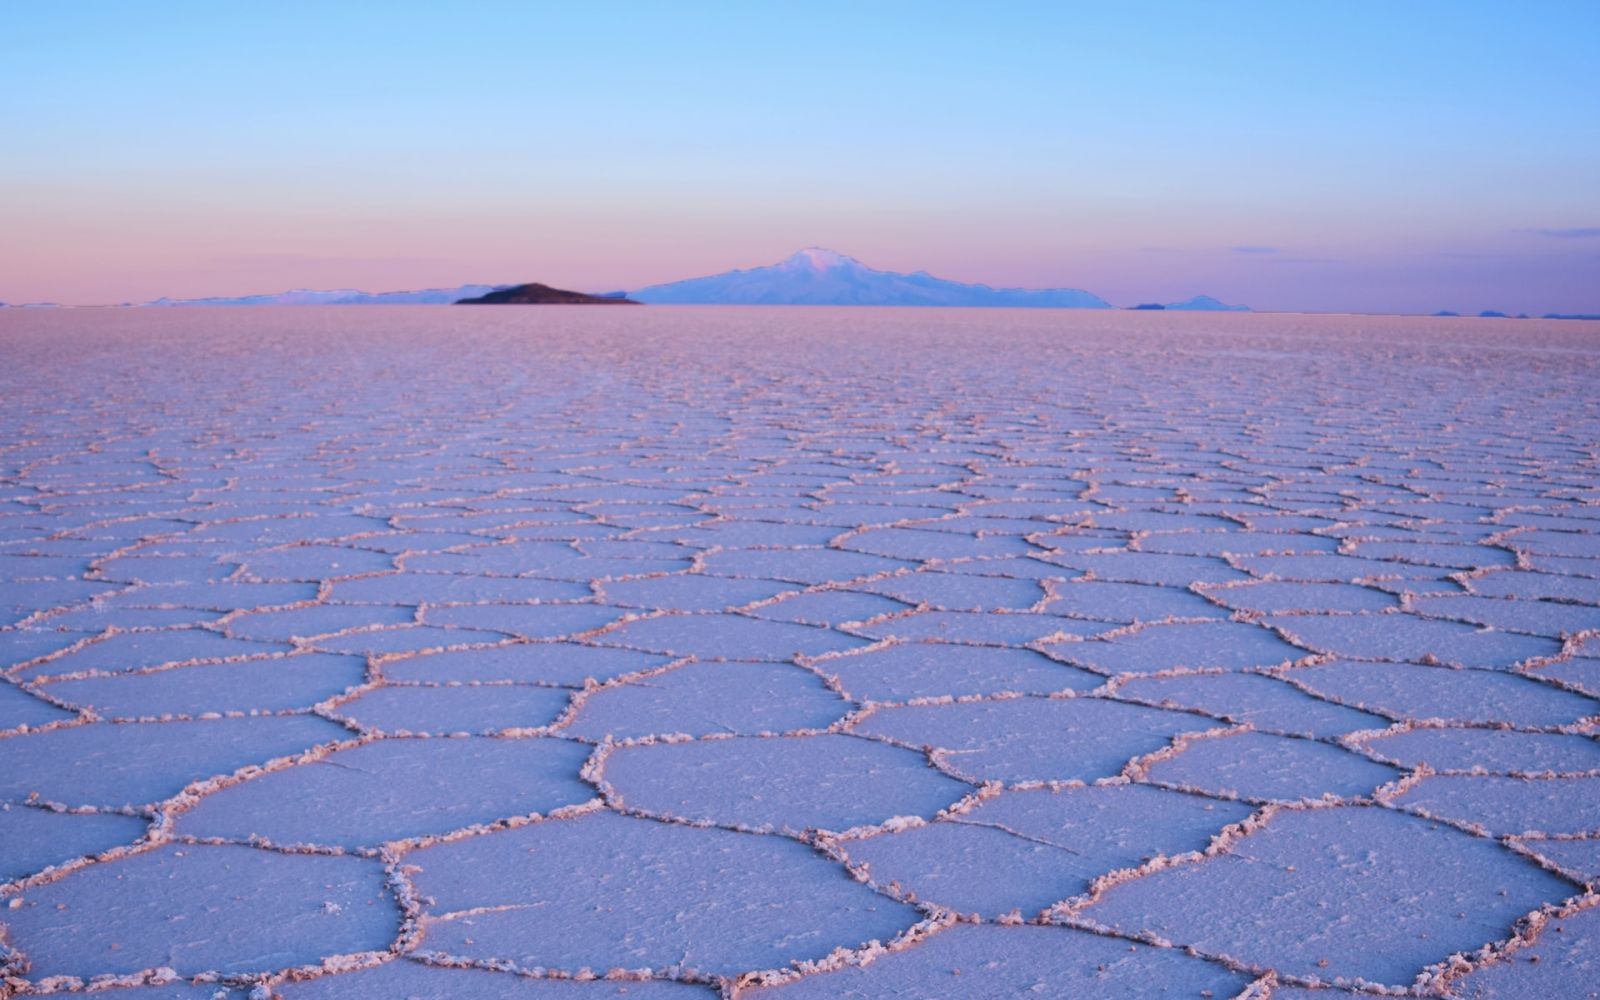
536, 294
338, 297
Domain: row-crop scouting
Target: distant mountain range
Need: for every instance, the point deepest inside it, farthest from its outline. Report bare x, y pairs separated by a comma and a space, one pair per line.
1200, 303
341, 297
813, 276
818, 277
1497, 314
1205, 303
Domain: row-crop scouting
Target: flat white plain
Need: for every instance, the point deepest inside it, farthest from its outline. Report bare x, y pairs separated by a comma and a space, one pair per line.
670, 652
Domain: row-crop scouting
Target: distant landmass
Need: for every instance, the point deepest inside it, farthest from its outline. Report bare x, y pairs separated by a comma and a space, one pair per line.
813, 276
535, 294
1200, 303
1205, 303
1497, 314
818, 277
340, 297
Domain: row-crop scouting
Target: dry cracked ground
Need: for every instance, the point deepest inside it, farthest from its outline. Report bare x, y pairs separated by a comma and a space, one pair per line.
527, 653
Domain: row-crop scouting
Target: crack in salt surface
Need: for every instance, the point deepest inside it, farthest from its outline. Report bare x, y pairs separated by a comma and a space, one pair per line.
1214, 551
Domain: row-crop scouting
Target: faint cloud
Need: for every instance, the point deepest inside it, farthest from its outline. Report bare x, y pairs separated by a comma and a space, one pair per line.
1253, 249
1304, 260
1573, 233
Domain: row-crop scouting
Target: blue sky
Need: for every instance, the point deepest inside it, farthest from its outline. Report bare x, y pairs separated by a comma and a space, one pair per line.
1353, 156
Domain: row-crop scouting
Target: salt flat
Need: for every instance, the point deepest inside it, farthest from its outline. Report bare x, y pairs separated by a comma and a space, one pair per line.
662, 653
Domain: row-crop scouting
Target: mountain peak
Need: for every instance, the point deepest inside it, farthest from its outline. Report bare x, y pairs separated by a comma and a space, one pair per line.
818, 259
1204, 303
817, 276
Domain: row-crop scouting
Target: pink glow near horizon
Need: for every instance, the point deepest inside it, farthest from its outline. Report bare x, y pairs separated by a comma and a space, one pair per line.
107, 269
185, 150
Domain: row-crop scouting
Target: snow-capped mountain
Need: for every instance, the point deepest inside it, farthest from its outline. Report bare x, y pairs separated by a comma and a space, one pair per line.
341, 297
1205, 303
819, 277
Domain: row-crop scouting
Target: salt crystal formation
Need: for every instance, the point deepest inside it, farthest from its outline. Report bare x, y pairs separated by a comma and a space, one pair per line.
682, 652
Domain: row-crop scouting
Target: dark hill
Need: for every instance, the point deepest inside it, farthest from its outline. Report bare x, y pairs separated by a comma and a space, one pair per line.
535, 294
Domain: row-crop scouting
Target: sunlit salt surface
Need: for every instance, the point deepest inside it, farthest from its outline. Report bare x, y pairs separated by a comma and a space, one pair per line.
661, 653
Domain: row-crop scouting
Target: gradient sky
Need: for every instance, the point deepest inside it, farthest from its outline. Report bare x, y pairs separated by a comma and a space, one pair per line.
1339, 156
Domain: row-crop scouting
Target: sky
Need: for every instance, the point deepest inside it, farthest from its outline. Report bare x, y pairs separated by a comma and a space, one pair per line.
1354, 156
